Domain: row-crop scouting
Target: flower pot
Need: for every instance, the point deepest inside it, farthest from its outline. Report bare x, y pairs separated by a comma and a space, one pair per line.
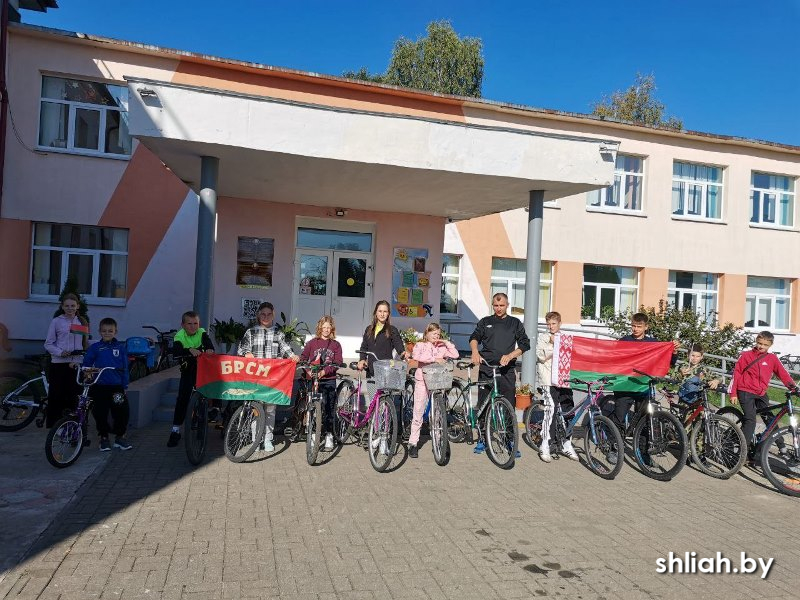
523, 401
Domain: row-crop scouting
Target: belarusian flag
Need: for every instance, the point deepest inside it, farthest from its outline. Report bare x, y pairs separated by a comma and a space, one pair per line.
237, 378
79, 329
591, 359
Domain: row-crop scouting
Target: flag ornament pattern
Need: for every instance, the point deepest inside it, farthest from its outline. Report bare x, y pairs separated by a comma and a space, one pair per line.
265, 380
590, 359
79, 329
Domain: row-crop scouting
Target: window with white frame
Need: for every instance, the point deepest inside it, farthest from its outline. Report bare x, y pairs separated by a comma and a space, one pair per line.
96, 258
772, 199
628, 189
695, 291
696, 191
86, 117
608, 290
767, 303
451, 275
508, 277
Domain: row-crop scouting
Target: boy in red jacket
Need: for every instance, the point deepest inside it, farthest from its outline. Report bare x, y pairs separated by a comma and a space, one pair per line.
751, 377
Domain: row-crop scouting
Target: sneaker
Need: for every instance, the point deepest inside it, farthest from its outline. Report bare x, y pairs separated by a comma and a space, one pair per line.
174, 438
122, 444
213, 414
384, 447
412, 451
612, 457
375, 443
267, 446
518, 454
329, 442
569, 451
105, 445
544, 455
479, 447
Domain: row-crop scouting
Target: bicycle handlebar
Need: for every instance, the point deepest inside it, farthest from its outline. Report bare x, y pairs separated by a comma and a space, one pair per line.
92, 374
158, 331
462, 364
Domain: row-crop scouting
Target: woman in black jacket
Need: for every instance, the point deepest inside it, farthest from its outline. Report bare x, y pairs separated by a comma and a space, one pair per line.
380, 337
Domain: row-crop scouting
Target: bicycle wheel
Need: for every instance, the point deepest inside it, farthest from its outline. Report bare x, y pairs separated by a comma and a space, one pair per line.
718, 446
407, 411
780, 461
732, 414
604, 447
660, 453
458, 424
195, 428
137, 369
382, 438
245, 431
314, 429
532, 419
501, 433
343, 418
20, 402
438, 427
64, 442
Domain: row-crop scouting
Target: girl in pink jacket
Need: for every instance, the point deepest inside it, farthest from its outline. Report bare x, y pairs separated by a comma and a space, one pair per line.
432, 349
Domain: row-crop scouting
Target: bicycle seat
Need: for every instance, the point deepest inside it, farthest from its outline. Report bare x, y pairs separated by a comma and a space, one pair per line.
353, 365
462, 364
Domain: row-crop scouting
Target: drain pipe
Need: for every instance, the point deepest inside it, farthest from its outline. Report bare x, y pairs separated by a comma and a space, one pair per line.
3, 92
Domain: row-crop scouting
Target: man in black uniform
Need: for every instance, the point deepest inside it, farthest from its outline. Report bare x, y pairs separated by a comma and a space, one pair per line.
502, 339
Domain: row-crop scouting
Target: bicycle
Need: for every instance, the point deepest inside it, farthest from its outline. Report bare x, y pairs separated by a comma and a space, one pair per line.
309, 412
164, 341
244, 431
716, 444
791, 362
778, 448
380, 416
67, 438
659, 438
494, 418
601, 437
23, 398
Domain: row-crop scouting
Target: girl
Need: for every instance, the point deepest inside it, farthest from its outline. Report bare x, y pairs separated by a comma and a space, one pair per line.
325, 350
66, 339
380, 337
432, 349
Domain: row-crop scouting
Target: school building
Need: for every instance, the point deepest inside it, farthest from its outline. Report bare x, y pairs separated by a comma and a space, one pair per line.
161, 180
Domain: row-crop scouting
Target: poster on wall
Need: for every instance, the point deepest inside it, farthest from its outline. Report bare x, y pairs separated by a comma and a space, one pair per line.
411, 282
250, 308
254, 258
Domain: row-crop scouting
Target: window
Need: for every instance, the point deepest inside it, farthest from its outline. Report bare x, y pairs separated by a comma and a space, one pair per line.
697, 291
767, 303
84, 116
325, 239
508, 277
696, 191
772, 199
95, 257
451, 274
608, 290
626, 193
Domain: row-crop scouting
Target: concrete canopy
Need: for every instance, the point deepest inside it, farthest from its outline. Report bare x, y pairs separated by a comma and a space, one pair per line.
286, 151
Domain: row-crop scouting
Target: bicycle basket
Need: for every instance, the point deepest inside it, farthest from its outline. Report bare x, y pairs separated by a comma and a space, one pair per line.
438, 376
390, 374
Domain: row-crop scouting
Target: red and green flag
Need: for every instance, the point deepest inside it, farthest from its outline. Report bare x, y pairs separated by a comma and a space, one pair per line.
78, 329
238, 378
590, 359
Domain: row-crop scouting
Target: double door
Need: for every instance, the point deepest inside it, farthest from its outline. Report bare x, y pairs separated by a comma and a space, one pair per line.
336, 283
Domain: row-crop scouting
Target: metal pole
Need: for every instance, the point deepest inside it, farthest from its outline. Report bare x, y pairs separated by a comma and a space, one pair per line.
533, 273
206, 233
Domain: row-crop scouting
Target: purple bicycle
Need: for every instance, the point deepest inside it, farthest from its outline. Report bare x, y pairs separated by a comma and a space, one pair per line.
376, 427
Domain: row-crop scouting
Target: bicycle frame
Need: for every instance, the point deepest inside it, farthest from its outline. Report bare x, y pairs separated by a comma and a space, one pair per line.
357, 418
477, 413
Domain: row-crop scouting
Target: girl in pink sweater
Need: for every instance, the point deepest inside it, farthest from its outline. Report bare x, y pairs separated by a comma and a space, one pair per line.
432, 349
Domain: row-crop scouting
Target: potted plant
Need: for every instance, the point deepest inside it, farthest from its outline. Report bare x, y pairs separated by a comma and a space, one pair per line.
410, 337
295, 332
523, 396
228, 333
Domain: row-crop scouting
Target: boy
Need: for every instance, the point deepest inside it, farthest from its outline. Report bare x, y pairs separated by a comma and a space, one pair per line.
544, 360
691, 374
190, 342
108, 394
750, 379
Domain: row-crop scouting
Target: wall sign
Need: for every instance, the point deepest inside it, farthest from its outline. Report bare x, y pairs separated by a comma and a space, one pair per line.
254, 259
410, 283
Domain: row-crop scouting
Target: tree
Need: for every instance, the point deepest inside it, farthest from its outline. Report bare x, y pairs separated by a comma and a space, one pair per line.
440, 62
637, 104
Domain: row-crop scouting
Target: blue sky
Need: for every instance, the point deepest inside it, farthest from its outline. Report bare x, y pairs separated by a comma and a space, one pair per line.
723, 66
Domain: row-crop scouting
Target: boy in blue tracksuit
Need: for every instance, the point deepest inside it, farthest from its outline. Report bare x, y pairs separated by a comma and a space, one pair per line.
108, 394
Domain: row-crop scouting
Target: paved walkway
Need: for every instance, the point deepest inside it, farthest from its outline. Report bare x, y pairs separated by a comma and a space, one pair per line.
151, 526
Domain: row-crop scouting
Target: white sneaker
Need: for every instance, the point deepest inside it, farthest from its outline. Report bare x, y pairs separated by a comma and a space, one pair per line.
329, 442
384, 447
374, 443
544, 455
267, 446
568, 451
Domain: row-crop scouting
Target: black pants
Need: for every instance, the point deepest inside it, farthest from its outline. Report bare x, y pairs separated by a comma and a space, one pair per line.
562, 396
506, 383
63, 393
750, 403
622, 404
327, 387
103, 403
185, 387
